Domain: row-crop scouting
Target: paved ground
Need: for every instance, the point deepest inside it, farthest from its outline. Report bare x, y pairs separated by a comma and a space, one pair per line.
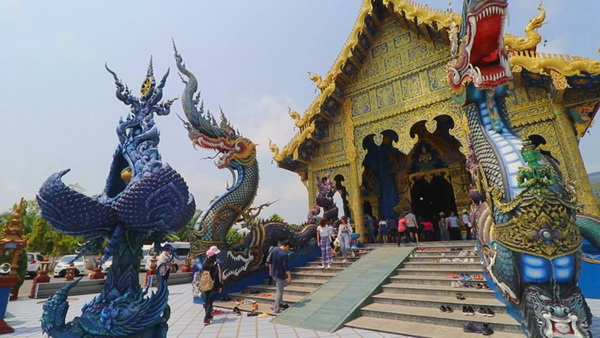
186, 320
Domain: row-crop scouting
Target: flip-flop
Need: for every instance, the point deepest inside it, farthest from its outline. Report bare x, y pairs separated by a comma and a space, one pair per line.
263, 315
266, 295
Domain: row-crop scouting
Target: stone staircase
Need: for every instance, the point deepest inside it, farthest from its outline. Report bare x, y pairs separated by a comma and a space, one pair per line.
305, 280
409, 304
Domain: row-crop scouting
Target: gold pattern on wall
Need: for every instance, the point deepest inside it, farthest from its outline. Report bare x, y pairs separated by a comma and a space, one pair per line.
402, 123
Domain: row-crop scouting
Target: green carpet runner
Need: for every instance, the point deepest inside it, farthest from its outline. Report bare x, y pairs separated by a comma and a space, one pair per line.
340, 299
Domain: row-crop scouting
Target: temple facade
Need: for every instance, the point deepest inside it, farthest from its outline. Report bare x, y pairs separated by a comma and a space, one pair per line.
388, 133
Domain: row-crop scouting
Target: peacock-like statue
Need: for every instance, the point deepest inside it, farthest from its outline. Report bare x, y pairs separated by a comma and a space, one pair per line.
238, 155
529, 235
143, 197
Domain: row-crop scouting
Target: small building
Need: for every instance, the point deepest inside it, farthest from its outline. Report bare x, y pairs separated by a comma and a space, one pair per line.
386, 128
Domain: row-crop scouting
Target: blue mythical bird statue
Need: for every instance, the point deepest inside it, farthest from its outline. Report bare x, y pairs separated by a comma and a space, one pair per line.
143, 197
529, 234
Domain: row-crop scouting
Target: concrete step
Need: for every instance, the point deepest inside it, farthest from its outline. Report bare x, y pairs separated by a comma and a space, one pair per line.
315, 269
437, 258
292, 289
437, 290
309, 282
337, 265
413, 329
316, 274
500, 322
435, 301
433, 271
438, 254
456, 266
429, 280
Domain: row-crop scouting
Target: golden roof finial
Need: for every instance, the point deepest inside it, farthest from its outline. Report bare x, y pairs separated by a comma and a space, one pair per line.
513, 42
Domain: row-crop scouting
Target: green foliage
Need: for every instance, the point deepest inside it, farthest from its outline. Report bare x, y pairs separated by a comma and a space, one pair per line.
275, 218
22, 268
234, 237
596, 189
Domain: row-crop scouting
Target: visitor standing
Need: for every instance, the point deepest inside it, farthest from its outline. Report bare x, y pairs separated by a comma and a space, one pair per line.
324, 242
164, 258
279, 269
210, 265
453, 228
443, 224
413, 227
392, 230
370, 222
344, 232
467, 224
383, 230
428, 228
402, 229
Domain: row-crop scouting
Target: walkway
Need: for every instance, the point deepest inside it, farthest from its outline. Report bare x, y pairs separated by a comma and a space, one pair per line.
329, 307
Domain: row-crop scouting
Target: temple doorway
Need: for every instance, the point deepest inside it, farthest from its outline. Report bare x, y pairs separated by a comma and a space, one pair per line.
431, 193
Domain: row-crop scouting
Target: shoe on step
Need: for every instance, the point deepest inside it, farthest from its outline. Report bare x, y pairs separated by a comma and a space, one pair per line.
482, 311
328, 266
471, 327
487, 330
321, 266
489, 312
443, 308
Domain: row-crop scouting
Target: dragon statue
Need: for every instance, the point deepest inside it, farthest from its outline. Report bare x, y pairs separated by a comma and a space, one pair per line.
143, 197
529, 234
237, 154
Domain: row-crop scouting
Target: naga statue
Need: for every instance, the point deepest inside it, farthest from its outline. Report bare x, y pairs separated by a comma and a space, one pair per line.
529, 235
237, 154
143, 197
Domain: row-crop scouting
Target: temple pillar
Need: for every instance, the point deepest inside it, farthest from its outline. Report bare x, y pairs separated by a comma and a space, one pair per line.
460, 185
355, 195
575, 167
311, 186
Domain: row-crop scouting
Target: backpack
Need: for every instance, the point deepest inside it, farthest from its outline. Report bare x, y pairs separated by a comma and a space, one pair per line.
402, 225
206, 281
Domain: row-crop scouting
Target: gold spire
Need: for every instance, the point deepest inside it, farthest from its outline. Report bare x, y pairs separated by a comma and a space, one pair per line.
513, 42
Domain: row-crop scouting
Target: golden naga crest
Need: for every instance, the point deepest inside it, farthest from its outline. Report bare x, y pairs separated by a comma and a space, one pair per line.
542, 225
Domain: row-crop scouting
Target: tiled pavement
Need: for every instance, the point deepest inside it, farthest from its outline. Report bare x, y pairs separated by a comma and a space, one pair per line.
186, 320
328, 308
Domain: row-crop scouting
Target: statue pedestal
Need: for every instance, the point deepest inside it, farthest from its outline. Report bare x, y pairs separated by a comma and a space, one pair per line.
42, 277
6, 283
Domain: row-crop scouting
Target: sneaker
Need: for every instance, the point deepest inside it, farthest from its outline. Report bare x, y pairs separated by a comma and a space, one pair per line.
443, 308
344, 260
472, 328
321, 266
328, 266
482, 311
206, 322
489, 312
284, 306
460, 296
487, 330
470, 311
449, 309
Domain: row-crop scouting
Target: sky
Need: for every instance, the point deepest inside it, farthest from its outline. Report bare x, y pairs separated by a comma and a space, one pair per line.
251, 58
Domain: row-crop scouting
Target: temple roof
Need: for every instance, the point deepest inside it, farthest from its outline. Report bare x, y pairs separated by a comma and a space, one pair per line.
573, 71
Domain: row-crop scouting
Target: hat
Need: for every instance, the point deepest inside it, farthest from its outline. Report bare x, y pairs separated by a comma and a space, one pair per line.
212, 251
464, 211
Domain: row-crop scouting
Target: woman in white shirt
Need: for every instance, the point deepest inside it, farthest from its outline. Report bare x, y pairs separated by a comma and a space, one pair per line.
324, 241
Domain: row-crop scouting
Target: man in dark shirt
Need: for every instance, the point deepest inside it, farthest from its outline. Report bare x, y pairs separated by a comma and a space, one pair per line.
280, 271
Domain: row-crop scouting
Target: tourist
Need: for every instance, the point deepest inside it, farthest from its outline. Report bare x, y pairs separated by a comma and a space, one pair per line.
412, 226
453, 228
164, 258
324, 242
279, 269
466, 223
370, 223
383, 230
210, 264
428, 228
402, 229
344, 232
392, 230
443, 224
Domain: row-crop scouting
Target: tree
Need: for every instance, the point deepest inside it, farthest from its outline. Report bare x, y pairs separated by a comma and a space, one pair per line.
275, 218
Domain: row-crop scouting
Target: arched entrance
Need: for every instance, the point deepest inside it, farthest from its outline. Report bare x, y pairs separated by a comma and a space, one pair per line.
432, 193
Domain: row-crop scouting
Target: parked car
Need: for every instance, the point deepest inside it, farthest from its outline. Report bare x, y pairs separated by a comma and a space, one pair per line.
34, 260
145, 252
60, 270
182, 249
107, 264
